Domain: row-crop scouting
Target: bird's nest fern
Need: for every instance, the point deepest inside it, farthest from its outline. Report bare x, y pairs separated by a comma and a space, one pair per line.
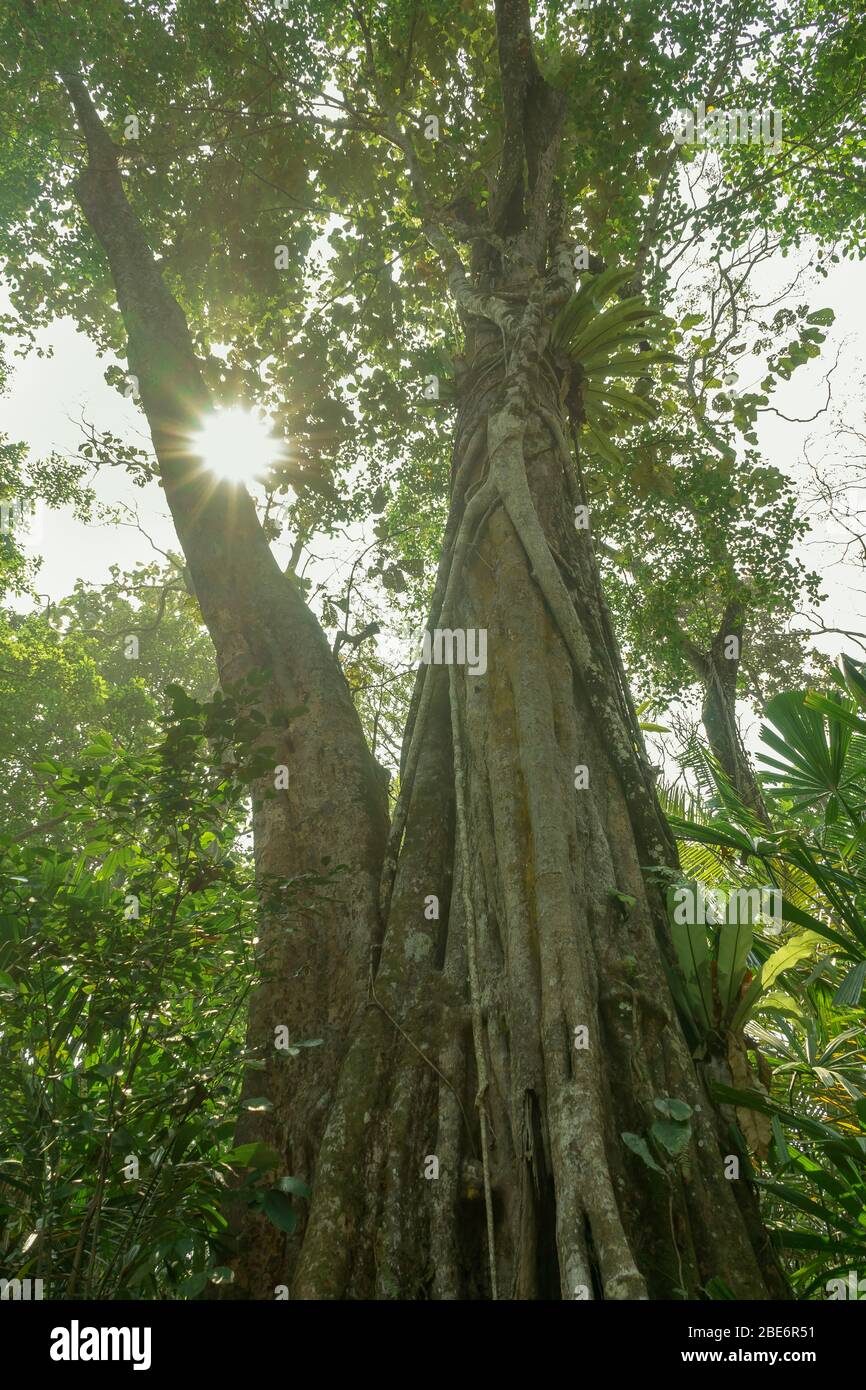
609, 346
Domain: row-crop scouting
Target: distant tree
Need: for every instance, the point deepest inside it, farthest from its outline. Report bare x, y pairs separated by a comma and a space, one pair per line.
96, 662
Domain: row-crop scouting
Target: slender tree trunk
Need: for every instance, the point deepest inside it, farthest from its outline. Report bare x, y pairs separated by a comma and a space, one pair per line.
717, 669
334, 810
462, 1125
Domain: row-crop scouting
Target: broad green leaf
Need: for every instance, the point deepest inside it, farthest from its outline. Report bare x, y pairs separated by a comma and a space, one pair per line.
735, 942
717, 1289
193, 1285
693, 956
672, 1108
672, 1137
278, 1208
799, 946
257, 1155
297, 1186
639, 1146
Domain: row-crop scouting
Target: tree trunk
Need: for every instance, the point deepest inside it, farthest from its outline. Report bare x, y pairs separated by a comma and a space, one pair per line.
469, 1051
718, 669
508, 1042
334, 810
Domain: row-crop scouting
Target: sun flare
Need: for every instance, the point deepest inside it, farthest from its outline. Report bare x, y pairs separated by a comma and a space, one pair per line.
236, 445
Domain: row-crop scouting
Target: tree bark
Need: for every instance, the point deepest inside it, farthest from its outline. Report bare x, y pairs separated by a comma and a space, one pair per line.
717, 669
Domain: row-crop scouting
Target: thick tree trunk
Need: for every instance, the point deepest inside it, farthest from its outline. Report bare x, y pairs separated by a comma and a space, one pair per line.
549, 925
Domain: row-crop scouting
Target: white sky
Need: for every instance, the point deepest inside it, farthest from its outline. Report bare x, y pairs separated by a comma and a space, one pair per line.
783, 444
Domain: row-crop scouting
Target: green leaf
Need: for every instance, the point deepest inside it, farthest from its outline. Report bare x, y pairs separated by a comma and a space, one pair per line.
793, 951
639, 1146
672, 1108
716, 1288
801, 918
735, 942
601, 445
834, 712
812, 761
693, 957
625, 900
802, 1240
294, 1185
783, 1156
795, 1198
799, 946
260, 1156
278, 1208
193, 1285
847, 996
718, 833
672, 1137
854, 679
754, 1100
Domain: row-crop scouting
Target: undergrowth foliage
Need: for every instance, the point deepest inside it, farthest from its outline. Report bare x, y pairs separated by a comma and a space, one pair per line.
126, 960
798, 1114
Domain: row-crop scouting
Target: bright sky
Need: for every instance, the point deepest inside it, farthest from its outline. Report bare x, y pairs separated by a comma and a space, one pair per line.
47, 400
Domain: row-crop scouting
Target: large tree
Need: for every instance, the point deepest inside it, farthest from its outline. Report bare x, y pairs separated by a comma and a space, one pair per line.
490, 967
